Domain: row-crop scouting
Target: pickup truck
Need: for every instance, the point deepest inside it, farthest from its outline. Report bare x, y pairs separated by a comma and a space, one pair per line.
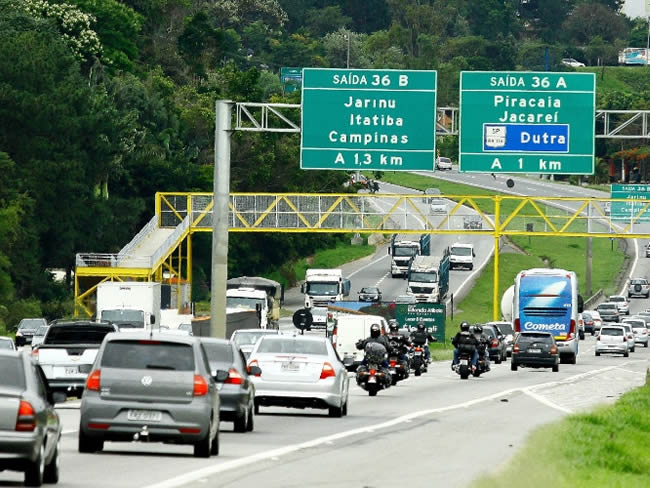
68, 352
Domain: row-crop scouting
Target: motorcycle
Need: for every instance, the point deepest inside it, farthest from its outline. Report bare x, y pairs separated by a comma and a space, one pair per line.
399, 369
418, 360
464, 366
372, 376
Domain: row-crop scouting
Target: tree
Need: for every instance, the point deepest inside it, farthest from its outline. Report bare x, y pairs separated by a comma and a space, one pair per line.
336, 48
492, 19
323, 21
588, 21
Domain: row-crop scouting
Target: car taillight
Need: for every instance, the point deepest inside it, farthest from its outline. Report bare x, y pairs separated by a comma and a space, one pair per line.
589, 322
35, 354
495, 343
251, 364
373, 372
93, 382
327, 371
418, 348
26, 421
515, 348
200, 385
234, 378
334, 336
553, 349
572, 329
393, 363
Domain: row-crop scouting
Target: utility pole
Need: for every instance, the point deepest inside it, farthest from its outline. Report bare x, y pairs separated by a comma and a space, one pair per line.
220, 213
588, 273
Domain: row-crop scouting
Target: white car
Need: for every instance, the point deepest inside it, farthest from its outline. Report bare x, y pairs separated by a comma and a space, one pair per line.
438, 205
640, 330
631, 339
443, 163
638, 286
621, 302
574, 63
597, 322
612, 340
299, 371
7, 344
246, 339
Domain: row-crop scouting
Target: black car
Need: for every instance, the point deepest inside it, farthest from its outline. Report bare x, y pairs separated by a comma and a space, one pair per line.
497, 346
237, 394
370, 294
535, 350
26, 330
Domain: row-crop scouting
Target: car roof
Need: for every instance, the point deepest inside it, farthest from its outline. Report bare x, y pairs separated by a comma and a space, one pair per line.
298, 337
608, 303
213, 340
617, 326
535, 332
263, 331
616, 296
146, 336
462, 244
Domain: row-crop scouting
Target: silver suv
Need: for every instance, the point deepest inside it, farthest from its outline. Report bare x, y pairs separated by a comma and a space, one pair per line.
151, 387
638, 287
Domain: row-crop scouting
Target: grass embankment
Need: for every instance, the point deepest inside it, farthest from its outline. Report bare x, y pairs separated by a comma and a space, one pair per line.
541, 251
607, 447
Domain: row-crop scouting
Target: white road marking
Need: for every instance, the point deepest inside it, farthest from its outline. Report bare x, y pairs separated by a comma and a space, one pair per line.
66, 432
282, 451
546, 401
367, 265
382, 279
636, 261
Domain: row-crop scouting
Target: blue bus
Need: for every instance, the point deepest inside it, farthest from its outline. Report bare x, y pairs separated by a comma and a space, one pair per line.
547, 300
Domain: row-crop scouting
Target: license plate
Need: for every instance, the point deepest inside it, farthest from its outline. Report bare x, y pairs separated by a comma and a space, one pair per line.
290, 366
372, 379
418, 353
392, 370
534, 351
144, 415
71, 370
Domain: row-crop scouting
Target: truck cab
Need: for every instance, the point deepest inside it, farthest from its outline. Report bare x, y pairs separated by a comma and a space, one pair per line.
428, 278
403, 249
322, 287
462, 256
256, 293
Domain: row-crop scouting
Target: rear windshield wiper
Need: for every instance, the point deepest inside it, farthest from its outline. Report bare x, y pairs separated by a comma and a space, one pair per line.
159, 366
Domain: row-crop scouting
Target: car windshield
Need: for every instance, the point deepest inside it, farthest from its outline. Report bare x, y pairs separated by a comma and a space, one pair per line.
145, 354
42, 330
505, 328
612, 331
437, 201
12, 373
489, 332
444, 160
247, 303
607, 306
216, 351
461, 251
430, 277
6, 344
534, 337
76, 334
291, 346
616, 299
187, 327
121, 316
639, 282
405, 251
30, 323
587, 316
637, 324
322, 288
373, 291
247, 338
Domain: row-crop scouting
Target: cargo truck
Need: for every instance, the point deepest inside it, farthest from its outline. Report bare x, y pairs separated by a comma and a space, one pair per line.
428, 277
255, 293
129, 304
403, 248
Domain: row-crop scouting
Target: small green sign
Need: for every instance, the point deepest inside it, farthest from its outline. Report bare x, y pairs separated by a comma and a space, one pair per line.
291, 79
381, 120
432, 314
527, 122
638, 210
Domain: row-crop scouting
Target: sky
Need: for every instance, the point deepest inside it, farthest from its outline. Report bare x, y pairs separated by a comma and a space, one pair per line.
634, 8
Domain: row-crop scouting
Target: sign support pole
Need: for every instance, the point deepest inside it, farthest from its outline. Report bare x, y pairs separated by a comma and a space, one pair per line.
223, 128
495, 285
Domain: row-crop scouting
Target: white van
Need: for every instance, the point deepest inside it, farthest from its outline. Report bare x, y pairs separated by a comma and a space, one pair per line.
462, 256
348, 330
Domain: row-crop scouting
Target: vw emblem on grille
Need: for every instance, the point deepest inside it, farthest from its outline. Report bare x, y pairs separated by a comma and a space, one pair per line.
146, 380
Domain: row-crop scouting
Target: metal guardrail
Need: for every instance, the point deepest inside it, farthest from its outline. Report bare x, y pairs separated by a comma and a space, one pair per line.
594, 299
135, 242
170, 242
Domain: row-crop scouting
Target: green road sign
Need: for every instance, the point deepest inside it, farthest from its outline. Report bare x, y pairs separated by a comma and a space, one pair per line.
639, 210
291, 79
432, 314
527, 122
381, 120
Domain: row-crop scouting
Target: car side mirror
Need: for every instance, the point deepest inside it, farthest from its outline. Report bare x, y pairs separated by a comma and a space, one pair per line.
254, 370
302, 288
220, 375
153, 319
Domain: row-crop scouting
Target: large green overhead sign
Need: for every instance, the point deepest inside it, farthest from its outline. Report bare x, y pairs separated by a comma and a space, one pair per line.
527, 122
638, 209
381, 120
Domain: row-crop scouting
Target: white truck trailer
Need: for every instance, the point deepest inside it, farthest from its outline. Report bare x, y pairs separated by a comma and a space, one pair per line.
129, 304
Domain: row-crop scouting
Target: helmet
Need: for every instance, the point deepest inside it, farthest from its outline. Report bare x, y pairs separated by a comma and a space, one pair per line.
375, 331
393, 327
478, 329
464, 326
420, 325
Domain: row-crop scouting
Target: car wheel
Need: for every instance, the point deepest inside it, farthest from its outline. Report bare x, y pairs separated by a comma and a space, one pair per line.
497, 360
645, 345
574, 359
372, 392
556, 368
51, 472
257, 408
345, 407
626, 354
592, 332
336, 412
203, 447
214, 446
597, 353
582, 336
241, 422
35, 469
633, 349
88, 444
513, 366
250, 425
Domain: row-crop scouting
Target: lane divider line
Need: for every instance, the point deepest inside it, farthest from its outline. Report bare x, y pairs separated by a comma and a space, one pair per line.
198, 474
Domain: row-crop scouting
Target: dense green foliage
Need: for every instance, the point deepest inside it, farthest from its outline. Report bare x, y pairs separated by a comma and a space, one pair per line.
105, 102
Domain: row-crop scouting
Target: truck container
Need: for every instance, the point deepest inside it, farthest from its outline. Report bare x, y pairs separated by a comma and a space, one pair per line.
129, 304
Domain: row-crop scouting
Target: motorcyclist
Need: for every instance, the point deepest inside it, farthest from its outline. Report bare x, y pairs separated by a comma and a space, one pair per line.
482, 347
402, 341
375, 336
420, 337
464, 340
